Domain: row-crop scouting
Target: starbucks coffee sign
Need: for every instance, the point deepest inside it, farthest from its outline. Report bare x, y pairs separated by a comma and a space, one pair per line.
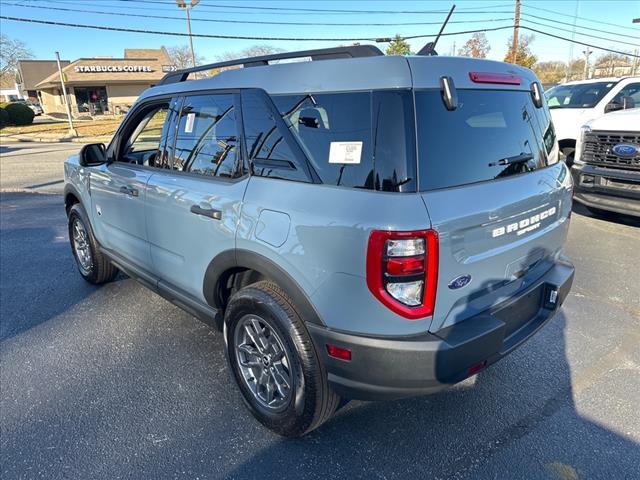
112, 68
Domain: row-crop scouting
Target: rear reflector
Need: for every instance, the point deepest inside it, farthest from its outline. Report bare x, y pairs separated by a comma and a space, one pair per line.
476, 368
339, 353
405, 265
501, 78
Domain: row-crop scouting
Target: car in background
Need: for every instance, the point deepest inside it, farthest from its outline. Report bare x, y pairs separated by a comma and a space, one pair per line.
606, 169
36, 108
573, 104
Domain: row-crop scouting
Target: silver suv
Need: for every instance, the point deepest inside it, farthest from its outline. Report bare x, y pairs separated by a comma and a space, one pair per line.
358, 226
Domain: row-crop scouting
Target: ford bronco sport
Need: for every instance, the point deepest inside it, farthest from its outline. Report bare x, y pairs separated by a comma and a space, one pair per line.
358, 225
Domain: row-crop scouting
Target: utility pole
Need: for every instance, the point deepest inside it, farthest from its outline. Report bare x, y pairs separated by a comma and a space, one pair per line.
585, 73
72, 130
187, 8
516, 33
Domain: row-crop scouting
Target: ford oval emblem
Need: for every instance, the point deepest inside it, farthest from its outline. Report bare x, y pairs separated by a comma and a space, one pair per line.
625, 150
459, 282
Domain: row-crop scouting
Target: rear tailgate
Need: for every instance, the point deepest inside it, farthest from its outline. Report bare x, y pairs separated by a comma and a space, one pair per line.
490, 179
503, 235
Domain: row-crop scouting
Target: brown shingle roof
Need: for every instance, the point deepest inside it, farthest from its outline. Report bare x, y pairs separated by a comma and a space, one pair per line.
33, 72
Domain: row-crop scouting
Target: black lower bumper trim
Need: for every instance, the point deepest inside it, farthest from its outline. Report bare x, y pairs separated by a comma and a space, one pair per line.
608, 189
390, 367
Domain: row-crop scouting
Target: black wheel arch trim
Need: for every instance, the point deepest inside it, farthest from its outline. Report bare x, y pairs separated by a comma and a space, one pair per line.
247, 259
71, 190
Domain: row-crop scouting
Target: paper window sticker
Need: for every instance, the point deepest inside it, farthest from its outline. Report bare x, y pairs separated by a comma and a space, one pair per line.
348, 153
191, 118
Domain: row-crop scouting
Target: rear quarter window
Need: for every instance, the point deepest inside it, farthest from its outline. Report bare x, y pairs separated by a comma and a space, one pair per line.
358, 139
491, 134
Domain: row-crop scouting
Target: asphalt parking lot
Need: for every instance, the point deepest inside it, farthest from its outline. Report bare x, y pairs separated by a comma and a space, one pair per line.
114, 382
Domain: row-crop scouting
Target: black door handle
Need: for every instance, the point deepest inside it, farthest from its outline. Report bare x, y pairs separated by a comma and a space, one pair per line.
129, 191
207, 212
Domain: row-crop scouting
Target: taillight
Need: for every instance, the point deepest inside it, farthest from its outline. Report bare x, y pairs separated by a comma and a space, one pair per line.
501, 78
402, 270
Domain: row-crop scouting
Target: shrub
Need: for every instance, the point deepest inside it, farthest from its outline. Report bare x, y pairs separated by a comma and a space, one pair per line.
4, 117
19, 114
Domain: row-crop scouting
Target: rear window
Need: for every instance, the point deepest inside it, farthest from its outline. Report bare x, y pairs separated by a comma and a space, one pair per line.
491, 134
358, 139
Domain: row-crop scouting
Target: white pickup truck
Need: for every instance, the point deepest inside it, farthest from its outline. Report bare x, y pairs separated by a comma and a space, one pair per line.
606, 168
575, 103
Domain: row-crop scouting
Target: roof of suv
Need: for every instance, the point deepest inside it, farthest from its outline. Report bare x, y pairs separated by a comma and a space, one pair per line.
352, 74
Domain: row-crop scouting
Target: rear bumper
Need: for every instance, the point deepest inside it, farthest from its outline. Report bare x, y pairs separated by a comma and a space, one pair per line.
609, 189
388, 368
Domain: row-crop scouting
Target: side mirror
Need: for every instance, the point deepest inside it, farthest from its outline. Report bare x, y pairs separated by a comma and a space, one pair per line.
613, 107
93, 154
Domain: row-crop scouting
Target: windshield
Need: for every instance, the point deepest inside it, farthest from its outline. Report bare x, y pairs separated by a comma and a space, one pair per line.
491, 134
579, 95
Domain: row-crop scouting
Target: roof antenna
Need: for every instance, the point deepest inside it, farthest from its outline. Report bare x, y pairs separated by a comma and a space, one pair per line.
430, 48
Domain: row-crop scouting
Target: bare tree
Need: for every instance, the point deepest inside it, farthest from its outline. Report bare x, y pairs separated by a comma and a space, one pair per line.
181, 56
253, 51
10, 52
550, 72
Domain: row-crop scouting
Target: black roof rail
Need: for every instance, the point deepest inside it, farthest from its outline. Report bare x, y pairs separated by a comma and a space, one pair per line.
351, 51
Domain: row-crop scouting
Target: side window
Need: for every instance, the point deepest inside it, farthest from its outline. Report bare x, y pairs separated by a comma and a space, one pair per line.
142, 146
207, 136
632, 94
357, 139
266, 146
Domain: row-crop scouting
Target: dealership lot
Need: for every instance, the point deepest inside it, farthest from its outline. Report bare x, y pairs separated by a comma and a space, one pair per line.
115, 382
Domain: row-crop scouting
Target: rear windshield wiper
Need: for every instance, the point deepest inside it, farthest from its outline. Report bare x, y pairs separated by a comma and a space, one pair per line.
523, 157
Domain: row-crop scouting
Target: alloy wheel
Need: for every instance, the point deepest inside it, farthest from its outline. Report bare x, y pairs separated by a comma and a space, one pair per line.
263, 362
82, 247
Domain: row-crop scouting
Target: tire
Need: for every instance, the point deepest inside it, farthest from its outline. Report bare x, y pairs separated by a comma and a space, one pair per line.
96, 267
309, 401
569, 154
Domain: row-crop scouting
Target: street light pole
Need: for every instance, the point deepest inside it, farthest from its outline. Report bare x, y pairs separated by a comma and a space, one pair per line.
72, 130
187, 8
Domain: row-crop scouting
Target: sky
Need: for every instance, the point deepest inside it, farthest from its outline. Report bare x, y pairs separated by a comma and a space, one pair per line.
610, 19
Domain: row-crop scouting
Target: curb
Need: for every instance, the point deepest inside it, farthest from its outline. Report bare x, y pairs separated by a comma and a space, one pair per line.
22, 138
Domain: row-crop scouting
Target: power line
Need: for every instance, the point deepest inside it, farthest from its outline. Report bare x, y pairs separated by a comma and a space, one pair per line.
210, 20
583, 34
580, 43
312, 10
165, 17
578, 26
203, 8
231, 37
239, 37
580, 17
